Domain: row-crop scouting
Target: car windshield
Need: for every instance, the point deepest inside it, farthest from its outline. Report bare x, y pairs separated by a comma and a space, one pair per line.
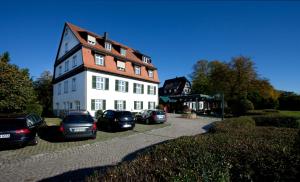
78, 119
12, 124
160, 112
123, 113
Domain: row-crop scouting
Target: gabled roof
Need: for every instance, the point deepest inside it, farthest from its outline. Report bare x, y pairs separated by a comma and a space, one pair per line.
176, 84
131, 54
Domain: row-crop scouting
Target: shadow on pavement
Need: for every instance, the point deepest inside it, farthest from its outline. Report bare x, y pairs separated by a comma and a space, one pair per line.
50, 134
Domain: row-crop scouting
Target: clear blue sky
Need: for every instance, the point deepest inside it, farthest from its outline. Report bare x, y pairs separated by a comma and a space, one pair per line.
175, 34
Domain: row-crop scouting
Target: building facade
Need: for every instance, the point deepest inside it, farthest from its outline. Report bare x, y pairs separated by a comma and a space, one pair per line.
92, 72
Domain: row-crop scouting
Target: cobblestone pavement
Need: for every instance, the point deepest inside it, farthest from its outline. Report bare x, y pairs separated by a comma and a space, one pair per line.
86, 158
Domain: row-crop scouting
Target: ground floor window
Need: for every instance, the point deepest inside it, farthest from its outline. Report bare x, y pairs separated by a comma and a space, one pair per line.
151, 105
138, 105
120, 104
98, 104
77, 105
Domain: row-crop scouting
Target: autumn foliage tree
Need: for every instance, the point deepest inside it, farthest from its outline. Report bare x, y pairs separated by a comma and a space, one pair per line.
16, 88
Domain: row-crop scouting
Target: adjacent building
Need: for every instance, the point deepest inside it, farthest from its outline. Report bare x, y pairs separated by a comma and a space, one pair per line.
93, 72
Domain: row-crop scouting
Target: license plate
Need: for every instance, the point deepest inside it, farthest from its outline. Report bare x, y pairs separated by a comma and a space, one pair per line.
160, 117
126, 125
5, 136
77, 129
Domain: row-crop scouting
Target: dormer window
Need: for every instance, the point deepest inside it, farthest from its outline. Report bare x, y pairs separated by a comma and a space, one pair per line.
91, 40
121, 65
123, 52
108, 46
150, 73
99, 59
137, 70
146, 59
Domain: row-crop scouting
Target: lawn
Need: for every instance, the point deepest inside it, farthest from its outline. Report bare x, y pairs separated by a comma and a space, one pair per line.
46, 146
291, 113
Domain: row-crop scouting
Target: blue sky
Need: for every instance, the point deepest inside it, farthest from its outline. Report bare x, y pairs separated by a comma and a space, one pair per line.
175, 34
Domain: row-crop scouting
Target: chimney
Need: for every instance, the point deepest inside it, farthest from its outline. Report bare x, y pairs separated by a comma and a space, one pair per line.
105, 35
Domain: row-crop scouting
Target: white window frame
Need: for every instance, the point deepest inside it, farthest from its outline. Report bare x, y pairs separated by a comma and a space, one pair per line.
151, 105
100, 83
145, 59
73, 84
138, 88
77, 105
108, 46
66, 86
120, 104
138, 105
150, 73
120, 65
137, 70
123, 52
91, 40
122, 86
99, 104
99, 59
67, 66
74, 60
151, 90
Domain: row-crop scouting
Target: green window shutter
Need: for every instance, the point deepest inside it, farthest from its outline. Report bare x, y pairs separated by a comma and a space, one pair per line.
126, 84
116, 102
155, 90
142, 104
106, 84
148, 105
117, 85
148, 90
94, 82
93, 105
134, 87
124, 105
134, 105
104, 104
142, 88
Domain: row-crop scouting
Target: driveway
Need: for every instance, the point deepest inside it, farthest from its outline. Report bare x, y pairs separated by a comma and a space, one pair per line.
76, 162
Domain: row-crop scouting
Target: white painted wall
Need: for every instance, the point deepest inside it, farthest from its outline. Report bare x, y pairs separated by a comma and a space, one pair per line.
69, 38
111, 95
71, 96
79, 61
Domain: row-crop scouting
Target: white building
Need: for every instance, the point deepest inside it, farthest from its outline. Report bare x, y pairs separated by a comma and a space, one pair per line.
93, 73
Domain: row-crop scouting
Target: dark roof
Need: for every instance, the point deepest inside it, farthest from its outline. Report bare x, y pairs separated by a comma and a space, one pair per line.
177, 84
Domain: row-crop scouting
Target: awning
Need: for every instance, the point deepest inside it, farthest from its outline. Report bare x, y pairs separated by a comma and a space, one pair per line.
166, 99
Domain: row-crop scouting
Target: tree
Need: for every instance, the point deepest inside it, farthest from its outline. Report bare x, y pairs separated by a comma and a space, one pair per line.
16, 89
44, 90
200, 79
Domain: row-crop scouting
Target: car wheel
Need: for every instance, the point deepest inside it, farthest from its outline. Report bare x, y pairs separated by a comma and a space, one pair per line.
35, 140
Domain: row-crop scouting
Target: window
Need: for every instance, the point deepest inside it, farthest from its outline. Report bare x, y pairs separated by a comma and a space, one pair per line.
59, 70
99, 60
138, 105
59, 89
91, 40
121, 65
77, 105
151, 90
67, 66
66, 47
66, 86
146, 59
100, 83
74, 84
121, 86
137, 70
74, 61
120, 104
150, 73
108, 46
98, 104
71, 105
151, 105
138, 88
123, 52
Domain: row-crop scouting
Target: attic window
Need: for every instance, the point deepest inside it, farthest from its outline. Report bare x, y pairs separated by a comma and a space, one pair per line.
91, 40
108, 46
123, 52
121, 65
150, 73
146, 59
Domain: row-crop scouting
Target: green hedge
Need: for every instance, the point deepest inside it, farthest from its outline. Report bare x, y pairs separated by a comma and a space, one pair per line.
236, 150
277, 120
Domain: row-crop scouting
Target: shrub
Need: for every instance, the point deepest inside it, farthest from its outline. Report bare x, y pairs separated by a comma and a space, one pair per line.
34, 108
277, 120
98, 114
240, 107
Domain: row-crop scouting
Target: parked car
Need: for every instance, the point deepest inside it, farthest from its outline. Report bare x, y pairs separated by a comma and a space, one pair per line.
78, 124
20, 129
151, 116
112, 120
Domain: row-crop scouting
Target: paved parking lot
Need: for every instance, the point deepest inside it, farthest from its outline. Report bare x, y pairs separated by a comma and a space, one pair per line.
77, 161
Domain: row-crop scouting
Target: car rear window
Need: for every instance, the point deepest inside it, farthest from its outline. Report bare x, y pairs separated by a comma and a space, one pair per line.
78, 119
123, 113
12, 124
160, 112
